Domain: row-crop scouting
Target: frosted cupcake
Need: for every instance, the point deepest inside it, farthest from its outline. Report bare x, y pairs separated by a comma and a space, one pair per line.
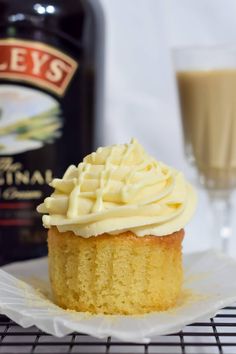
115, 232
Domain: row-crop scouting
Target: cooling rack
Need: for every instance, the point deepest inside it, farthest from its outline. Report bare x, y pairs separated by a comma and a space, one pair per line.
214, 335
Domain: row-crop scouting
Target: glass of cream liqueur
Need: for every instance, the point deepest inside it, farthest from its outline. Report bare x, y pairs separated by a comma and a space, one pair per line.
206, 82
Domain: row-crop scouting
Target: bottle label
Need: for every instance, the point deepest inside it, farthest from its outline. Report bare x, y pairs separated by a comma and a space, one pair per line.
29, 119
32, 120
36, 63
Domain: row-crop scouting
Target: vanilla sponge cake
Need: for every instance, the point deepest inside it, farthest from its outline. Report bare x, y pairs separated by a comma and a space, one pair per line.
115, 232
115, 273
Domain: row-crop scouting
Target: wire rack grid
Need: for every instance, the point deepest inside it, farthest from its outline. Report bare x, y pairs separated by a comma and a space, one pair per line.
215, 335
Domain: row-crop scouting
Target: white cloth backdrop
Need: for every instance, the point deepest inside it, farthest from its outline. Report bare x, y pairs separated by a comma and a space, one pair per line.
140, 88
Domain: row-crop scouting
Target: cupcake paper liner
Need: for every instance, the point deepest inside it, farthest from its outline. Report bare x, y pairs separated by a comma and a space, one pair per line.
25, 297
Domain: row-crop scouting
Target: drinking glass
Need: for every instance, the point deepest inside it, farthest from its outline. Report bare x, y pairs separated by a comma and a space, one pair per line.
206, 83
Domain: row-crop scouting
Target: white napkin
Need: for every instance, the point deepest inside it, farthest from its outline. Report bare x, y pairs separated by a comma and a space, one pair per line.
208, 286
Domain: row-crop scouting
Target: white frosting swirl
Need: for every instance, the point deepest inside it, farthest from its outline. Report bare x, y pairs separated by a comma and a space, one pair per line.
116, 189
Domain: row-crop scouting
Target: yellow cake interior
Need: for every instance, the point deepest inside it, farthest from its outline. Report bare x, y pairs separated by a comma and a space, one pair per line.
115, 274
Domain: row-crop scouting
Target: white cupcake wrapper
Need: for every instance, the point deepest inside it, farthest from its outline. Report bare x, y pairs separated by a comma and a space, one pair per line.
209, 276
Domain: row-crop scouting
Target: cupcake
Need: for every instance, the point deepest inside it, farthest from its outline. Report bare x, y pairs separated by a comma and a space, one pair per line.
115, 232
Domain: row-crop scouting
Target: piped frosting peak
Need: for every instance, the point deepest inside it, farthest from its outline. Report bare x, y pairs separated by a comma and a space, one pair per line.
116, 189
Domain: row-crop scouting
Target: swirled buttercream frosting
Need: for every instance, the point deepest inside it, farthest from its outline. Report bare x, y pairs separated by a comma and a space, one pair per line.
119, 188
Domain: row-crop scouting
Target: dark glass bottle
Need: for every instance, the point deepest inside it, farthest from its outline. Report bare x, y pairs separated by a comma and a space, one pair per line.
51, 58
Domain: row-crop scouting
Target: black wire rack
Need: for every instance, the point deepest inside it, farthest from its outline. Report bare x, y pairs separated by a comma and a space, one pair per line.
210, 336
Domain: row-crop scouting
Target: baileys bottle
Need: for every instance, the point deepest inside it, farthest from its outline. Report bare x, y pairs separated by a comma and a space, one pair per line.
51, 69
